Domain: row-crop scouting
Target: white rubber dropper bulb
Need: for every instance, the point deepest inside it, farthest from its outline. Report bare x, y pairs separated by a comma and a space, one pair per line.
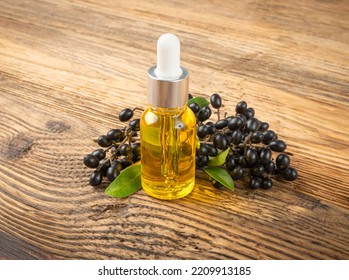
168, 57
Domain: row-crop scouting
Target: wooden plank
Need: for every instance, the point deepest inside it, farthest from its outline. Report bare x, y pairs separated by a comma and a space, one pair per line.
68, 68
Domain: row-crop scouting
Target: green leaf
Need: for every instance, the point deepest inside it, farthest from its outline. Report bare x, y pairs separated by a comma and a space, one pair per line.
220, 175
128, 182
202, 102
219, 159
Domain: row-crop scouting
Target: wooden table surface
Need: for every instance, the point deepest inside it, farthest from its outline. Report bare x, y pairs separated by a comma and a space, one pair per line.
68, 67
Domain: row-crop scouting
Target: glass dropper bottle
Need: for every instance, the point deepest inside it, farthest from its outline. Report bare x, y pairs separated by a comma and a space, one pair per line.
168, 126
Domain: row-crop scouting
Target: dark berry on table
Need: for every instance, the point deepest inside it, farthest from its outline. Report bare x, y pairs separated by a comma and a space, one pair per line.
241, 107
203, 149
243, 118
236, 137
221, 124
290, 174
277, 146
237, 173
241, 160
126, 115
216, 101
125, 150
91, 161
269, 136
135, 124
282, 161
112, 173
115, 134
204, 114
235, 123
255, 183
201, 161
220, 141
125, 162
251, 157
270, 167
104, 141
105, 167
252, 124
230, 163
194, 107
136, 148
135, 158
267, 183
265, 155
212, 150
96, 178
99, 153
202, 131
115, 151
256, 137
211, 128
249, 113
264, 126
257, 170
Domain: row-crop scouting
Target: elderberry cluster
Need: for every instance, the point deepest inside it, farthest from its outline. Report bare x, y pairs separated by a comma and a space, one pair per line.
120, 148
250, 142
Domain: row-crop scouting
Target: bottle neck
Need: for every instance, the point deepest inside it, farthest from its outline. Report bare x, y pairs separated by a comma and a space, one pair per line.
168, 93
167, 111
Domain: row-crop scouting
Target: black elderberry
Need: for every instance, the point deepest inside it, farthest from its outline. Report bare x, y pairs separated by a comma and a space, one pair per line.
267, 183
235, 123
277, 146
249, 113
236, 137
252, 124
269, 136
91, 161
135, 124
115, 134
216, 101
104, 141
125, 150
220, 141
201, 160
265, 155
96, 178
99, 153
256, 137
264, 126
237, 173
194, 107
241, 107
126, 115
202, 131
290, 174
212, 150
282, 161
204, 114
255, 183
221, 124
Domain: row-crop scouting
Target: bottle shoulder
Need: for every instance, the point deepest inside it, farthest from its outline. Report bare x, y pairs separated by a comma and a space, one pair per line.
153, 116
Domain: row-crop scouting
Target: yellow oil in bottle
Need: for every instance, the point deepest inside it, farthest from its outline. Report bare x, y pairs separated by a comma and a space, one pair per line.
168, 152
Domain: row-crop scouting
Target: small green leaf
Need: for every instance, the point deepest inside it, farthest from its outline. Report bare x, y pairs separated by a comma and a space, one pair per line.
202, 102
220, 175
219, 159
128, 182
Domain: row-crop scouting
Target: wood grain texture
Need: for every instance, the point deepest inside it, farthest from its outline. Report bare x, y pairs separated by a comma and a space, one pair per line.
68, 67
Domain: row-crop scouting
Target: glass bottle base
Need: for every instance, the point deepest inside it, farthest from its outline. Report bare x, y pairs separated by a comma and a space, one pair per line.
167, 191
